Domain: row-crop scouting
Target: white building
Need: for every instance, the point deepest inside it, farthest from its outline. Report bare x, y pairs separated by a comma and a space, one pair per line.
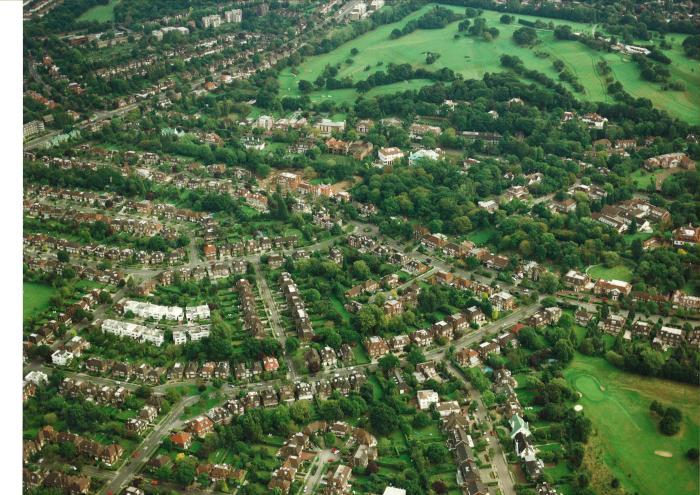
179, 337
427, 397
235, 15
36, 377
213, 21
198, 332
488, 205
159, 33
198, 312
61, 357
423, 154
326, 127
133, 331
390, 490
148, 310
387, 156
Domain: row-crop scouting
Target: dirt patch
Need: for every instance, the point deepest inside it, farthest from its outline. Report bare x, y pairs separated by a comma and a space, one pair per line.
663, 453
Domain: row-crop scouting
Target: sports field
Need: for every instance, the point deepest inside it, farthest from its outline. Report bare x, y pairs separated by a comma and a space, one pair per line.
473, 58
618, 272
35, 298
100, 13
637, 454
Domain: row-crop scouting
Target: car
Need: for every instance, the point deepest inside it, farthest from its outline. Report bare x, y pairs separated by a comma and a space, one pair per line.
136, 455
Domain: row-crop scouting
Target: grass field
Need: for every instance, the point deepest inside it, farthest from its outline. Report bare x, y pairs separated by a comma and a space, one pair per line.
618, 405
35, 298
618, 272
100, 13
473, 58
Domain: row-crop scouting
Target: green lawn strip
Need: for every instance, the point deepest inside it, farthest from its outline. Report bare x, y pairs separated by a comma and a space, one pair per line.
619, 272
35, 298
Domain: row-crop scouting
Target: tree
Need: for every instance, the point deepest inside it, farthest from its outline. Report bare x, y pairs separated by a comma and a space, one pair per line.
63, 256
525, 36
421, 420
361, 270
383, 419
692, 454
184, 473
388, 363
305, 86
436, 453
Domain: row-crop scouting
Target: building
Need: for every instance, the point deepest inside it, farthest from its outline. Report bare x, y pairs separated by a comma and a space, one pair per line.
686, 236
422, 154
425, 398
668, 337
61, 357
235, 15
389, 156
612, 288
32, 128
212, 21
376, 347
503, 301
181, 440
576, 281
338, 481
326, 127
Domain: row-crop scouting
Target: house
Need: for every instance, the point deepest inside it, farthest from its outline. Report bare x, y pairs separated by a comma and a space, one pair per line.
61, 357
447, 408
613, 324
612, 288
489, 205
486, 348
583, 317
503, 301
388, 156
148, 413
475, 315
181, 440
426, 398
467, 357
200, 426
326, 127
376, 347
270, 364
422, 338
398, 343
668, 337
575, 280
328, 357
363, 455
642, 328
338, 481
670, 160
686, 236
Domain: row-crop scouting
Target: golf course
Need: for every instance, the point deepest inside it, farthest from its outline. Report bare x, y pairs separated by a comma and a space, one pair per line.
644, 460
472, 58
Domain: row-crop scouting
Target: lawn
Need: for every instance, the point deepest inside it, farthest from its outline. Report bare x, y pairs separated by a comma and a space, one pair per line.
100, 13
618, 405
618, 272
473, 58
35, 298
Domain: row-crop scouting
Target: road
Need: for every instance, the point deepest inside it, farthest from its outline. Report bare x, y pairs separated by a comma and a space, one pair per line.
273, 316
498, 459
147, 448
311, 481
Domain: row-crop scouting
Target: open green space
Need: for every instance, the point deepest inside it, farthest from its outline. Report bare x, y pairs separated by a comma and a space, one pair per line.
618, 405
35, 298
100, 13
474, 57
618, 272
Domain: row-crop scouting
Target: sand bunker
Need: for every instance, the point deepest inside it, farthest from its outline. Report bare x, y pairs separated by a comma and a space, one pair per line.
578, 408
663, 453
